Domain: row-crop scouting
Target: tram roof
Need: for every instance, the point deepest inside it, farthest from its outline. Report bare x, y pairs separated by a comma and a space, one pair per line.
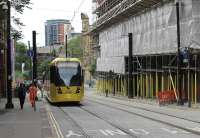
64, 60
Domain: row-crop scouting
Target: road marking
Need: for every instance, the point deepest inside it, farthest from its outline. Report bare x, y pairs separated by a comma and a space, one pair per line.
103, 132
175, 131
54, 123
195, 128
115, 132
57, 126
139, 131
71, 133
170, 131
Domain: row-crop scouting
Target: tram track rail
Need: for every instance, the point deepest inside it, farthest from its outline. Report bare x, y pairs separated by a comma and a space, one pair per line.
111, 123
105, 103
117, 126
75, 123
140, 108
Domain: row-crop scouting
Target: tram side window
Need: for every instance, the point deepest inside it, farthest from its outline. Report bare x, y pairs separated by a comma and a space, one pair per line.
52, 74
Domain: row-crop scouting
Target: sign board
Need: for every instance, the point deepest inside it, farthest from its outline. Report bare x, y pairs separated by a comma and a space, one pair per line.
30, 53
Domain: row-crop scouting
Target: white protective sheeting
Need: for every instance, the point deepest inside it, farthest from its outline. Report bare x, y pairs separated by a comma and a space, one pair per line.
154, 32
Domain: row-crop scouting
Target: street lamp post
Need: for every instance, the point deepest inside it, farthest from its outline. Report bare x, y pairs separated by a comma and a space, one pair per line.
9, 104
180, 101
34, 80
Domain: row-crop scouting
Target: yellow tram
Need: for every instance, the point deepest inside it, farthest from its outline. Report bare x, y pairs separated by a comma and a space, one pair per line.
66, 82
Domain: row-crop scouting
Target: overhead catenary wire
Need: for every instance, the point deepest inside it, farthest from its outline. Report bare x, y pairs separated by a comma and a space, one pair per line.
58, 10
75, 12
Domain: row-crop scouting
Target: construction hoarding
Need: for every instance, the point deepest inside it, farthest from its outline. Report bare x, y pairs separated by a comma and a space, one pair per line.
154, 32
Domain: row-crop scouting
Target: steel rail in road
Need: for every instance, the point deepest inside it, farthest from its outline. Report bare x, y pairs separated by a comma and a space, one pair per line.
75, 123
111, 123
146, 117
149, 110
99, 117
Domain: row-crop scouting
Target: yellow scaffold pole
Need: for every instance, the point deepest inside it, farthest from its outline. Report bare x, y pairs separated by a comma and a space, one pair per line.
156, 84
195, 80
173, 85
192, 87
147, 86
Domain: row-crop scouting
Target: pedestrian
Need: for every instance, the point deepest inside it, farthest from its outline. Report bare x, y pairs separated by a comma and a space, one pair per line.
32, 95
21, 94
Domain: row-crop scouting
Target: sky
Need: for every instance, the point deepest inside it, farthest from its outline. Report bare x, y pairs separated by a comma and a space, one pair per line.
43, 10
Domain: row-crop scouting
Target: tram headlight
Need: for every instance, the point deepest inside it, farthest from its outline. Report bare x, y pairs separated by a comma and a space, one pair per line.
78, 90
59, 90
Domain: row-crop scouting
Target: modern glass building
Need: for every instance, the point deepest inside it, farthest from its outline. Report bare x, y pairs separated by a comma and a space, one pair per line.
55, 31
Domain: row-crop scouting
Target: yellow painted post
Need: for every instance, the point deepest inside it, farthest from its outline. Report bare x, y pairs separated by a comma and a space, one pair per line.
168, 82
118, 81
170, 85
147, 86
103, 85
97, 86
162, 82
116, 86
122, 86
138, 85
141, 84
183, 82
156, 84
151, 85
143, 87
109, 85
195, 87
175, 84
124, 80
134, 94
192, 87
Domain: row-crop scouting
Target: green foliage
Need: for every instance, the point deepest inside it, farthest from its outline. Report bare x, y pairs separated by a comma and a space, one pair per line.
19, 6
21, 57
43, 66
74, 48
18, 74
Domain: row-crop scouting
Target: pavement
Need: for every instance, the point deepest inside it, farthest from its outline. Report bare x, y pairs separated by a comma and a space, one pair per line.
191, 114
26, 123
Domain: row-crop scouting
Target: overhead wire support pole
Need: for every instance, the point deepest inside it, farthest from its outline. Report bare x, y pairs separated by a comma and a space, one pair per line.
9, 104
180, 101
130, 66
34, 79
66, 46
189, 87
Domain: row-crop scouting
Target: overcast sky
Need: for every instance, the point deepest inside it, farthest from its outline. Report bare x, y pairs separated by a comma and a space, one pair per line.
43, 10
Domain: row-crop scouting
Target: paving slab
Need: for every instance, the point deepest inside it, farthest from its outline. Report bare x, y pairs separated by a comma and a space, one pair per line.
26, 123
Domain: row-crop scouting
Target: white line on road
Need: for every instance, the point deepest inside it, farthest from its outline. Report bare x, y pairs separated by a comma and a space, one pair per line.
57, 126
71, 133
139, 131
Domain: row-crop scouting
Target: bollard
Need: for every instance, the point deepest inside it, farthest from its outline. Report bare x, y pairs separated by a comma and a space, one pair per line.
106, 92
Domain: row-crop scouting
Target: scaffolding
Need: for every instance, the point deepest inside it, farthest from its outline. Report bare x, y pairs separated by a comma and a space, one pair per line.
153, 24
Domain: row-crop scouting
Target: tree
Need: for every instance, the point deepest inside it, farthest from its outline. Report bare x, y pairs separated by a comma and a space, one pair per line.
43, 66
21, 57
74, 48
18, 6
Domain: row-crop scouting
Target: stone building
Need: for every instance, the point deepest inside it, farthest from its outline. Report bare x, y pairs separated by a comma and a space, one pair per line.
86, 44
